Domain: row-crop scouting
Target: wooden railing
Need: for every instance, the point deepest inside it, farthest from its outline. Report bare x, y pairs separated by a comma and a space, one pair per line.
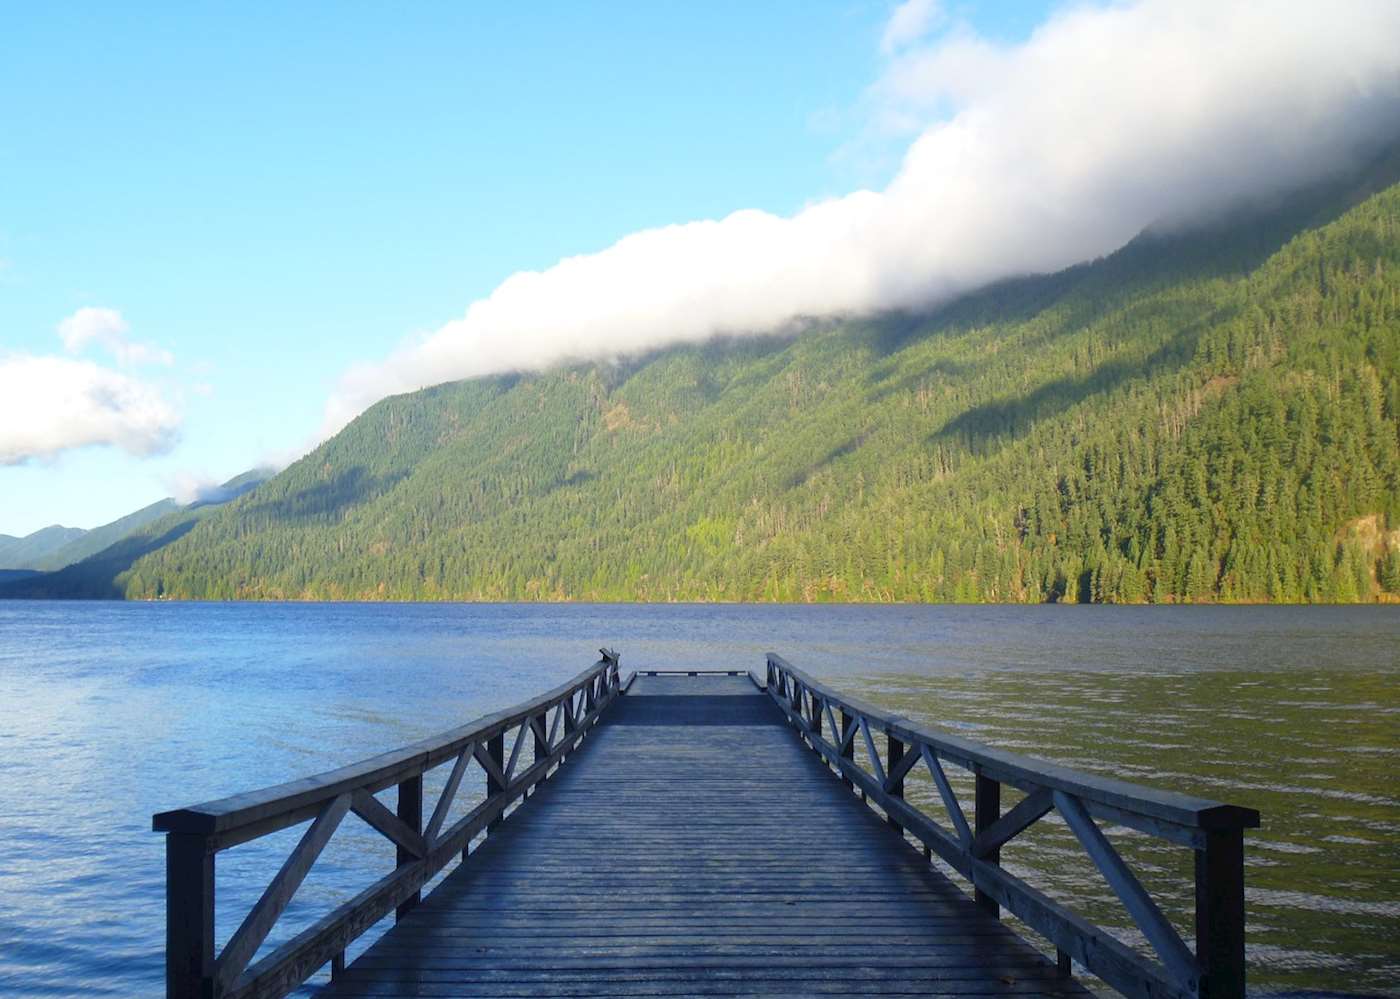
553, 722
832, 723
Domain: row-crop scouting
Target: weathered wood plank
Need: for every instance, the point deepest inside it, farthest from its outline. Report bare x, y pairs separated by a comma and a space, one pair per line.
449, 793
1149, 918
189, 914
1027, 811
395, 829
259, 922
666, 857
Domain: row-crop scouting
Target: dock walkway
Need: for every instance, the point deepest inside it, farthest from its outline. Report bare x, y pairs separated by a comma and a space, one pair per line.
692, 846
704, 834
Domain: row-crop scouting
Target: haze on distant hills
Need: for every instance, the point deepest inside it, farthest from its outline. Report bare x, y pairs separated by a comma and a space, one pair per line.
53, 548
1203, 415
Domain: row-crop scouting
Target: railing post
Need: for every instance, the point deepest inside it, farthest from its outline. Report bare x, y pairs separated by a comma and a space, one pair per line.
411, 812
988, 810
848, 749
893, 755
496, 749
189, 917
816, 717
1220, 914
540, 723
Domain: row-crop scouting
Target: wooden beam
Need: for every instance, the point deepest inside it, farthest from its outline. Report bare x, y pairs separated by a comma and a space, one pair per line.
987, 809
831, 720
264, 915
875, 763
950, 800
1027, 812
189, 916
486, 755
1220, 915
1175, 955
496, 781
369, 808
515, 751
449, 794
847, 749
898, 766
554, 731
1093, 948
410, 813
539, 727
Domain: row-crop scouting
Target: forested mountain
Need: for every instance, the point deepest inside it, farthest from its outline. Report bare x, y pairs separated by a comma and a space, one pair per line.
93, 541
1202, 416
28, 551
104, 551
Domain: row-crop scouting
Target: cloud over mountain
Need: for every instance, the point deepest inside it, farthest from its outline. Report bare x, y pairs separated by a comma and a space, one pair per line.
1026, 158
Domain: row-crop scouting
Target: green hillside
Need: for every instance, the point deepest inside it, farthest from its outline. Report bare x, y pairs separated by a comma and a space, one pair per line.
1205, 416
93, 541
93, 564
32, 549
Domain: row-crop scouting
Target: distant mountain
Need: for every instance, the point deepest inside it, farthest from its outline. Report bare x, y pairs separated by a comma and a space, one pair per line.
83, 545
28, 551
8, 575
93, 541
1204, 415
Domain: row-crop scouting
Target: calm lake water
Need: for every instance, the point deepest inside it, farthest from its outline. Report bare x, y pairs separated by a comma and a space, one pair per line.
110, 712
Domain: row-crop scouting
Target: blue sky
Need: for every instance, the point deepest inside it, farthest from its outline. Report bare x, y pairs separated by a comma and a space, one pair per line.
276, 194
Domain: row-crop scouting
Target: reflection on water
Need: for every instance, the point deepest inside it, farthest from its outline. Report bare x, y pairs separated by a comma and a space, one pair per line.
110, 712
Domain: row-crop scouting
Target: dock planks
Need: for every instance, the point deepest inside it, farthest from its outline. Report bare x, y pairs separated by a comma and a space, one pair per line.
694, 847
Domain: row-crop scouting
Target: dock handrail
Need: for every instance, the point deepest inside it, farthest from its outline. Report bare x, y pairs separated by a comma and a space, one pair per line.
194, 835
1214, 831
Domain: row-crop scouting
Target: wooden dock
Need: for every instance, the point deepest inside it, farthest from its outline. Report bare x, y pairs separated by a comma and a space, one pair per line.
701, 834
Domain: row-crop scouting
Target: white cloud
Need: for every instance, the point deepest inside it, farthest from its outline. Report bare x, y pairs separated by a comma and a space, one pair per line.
107, 329
1032, 157
911, 21
54, 404
187, 487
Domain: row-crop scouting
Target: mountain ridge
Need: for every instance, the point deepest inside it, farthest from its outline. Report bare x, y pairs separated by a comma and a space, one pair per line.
78, 544
26, 551
1200, 416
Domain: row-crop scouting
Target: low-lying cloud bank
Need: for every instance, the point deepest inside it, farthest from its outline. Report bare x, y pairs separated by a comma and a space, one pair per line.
1032, 157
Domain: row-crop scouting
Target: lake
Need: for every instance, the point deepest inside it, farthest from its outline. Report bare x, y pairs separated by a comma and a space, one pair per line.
110, 712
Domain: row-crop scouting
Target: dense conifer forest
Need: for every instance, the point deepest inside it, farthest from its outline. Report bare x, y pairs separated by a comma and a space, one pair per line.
1203, 416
